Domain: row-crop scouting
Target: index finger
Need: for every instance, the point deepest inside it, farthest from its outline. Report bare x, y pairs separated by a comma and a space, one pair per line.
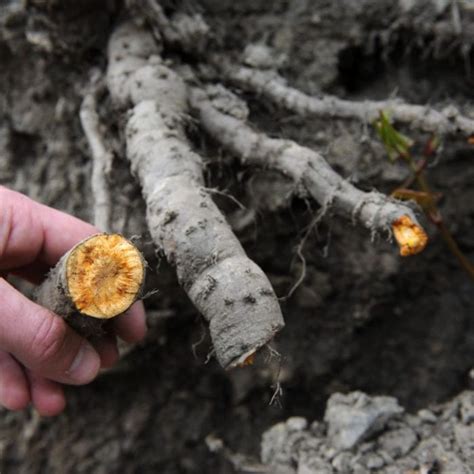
31, 232
33, 235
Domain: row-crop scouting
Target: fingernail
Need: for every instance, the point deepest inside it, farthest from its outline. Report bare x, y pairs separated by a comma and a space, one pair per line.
85, 366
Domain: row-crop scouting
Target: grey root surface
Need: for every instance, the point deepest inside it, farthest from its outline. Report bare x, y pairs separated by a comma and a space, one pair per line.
230, 291
363, 323
307, 169
448, 121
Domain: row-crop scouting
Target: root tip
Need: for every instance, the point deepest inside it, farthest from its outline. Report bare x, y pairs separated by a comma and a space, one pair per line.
410, 237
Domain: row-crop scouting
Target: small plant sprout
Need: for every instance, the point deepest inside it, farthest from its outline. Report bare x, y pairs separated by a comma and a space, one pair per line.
398, 147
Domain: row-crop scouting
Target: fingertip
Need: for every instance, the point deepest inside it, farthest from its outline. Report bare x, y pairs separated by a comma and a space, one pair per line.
43, 342
85, 367
131, 325
53, 405
16, 398
47, 396
14, 390
107, 350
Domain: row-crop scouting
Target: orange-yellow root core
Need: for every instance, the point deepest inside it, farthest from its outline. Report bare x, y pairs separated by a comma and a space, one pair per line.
411, 238
248, 361
104, 275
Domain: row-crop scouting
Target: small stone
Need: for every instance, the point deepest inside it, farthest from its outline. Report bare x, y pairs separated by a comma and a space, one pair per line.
397, 443
214, 444
358, 469
273, 440
386, 457
373, 461
431, 451
451, 410
464, 436
440, 5
471, 374
467, 407
329, 453
427, 416
314, 465
317, 428
413, 421
262, 56
366, 447
342, 462
407, 5
396, 470
320, 136
354, 417
280, 443
296, 423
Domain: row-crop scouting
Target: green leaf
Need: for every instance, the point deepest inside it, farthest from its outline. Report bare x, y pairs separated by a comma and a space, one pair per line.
396, 144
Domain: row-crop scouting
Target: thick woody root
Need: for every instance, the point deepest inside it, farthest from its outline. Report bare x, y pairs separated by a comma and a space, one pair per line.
272, 86
309, 171
231, 291
187, 31
98, 279
193, 31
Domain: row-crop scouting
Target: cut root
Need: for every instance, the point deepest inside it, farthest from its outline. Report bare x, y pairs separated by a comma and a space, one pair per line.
98, 279
410, 237
104, 275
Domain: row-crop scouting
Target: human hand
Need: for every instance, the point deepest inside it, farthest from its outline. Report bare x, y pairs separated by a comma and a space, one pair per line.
38, 351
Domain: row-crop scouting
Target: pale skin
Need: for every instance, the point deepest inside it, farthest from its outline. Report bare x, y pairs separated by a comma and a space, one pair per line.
39, 352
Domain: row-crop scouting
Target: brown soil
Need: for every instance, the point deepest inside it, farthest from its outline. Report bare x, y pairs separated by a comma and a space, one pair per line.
363, 319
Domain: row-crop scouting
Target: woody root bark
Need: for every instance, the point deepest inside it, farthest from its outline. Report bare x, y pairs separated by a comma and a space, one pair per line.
230, 291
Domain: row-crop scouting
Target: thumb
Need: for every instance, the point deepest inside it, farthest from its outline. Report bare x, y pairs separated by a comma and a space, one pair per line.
42, 341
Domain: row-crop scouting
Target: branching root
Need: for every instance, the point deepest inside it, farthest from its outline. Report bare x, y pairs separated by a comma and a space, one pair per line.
448, 121
309, 171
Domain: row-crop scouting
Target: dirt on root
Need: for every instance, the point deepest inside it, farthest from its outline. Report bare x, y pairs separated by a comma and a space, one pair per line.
363, 319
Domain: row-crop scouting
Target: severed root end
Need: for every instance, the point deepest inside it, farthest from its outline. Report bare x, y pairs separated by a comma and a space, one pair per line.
246, 359
104, 275
411, 238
